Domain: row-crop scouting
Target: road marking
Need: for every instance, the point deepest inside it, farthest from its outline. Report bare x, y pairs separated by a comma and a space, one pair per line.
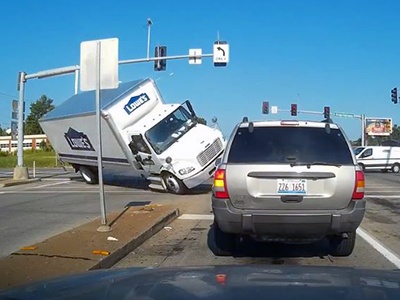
382, 196
52, 184
76, 191
388, 254
196, 217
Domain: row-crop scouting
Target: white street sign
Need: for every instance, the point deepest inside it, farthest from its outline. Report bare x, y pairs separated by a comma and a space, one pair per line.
274, 109
195, 60
108, 64
14, 130
221, 52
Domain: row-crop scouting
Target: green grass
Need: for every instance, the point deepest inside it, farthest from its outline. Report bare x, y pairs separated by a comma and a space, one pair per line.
43, 159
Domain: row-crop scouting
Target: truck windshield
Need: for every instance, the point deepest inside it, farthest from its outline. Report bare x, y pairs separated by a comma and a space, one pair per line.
170, 129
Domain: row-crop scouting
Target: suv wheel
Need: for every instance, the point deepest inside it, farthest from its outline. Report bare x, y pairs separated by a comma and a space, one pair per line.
221, 243
341, 246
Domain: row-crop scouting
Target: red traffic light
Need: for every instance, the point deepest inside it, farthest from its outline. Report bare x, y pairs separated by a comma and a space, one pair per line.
327, 112
265, 107
293, 110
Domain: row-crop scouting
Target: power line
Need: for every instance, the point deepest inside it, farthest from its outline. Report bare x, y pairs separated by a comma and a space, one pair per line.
8, 95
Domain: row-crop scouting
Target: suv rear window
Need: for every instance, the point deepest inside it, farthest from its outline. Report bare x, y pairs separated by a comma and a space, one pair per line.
277, 145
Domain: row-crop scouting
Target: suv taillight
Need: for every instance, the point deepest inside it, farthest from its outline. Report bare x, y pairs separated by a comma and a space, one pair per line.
220, 188
359, 186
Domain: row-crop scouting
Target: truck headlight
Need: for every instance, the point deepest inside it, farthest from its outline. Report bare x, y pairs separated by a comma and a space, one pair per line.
185, 171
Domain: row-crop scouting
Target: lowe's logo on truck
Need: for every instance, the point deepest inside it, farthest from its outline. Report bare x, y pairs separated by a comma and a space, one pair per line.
135, 102
78, 140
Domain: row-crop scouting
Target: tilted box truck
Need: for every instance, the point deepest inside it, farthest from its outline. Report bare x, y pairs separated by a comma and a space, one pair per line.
161, 141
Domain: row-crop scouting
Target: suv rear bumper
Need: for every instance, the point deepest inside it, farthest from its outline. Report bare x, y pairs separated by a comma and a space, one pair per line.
285, 224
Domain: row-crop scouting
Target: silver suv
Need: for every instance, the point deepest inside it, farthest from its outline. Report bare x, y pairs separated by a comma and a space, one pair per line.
288, 181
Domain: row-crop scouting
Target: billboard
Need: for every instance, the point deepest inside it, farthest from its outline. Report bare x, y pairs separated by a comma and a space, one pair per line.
378, 126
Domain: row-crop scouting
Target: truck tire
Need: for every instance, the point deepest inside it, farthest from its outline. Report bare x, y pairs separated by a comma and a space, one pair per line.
172, 184
343, 247
89, 175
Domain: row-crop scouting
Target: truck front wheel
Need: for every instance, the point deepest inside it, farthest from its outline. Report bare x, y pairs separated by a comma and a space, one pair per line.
89, 174
172, 184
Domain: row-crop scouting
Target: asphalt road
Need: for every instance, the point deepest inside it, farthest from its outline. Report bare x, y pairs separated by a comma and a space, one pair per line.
61, 201
185, 241
31, 213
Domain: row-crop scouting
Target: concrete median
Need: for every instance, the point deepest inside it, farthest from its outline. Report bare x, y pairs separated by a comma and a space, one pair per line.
83, 248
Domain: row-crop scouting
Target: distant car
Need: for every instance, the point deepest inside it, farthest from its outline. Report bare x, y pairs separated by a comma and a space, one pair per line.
288, 181
382, 158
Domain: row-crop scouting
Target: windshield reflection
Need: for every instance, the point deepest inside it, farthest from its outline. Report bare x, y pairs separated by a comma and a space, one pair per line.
170, 129
358, 150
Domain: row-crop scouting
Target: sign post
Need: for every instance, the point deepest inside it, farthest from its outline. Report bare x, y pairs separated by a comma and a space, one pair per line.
99, 58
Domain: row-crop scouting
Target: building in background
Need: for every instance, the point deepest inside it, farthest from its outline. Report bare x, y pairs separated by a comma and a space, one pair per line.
31, 142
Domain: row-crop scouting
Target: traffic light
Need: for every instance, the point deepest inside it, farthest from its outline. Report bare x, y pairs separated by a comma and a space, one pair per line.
293, 110
160, 64
327, 112
394, 95
265, 108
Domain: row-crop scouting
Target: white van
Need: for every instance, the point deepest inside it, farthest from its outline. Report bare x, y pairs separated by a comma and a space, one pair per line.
380, 158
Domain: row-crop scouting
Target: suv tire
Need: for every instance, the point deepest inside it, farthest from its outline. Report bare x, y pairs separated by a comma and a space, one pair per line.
221, 243
343, 247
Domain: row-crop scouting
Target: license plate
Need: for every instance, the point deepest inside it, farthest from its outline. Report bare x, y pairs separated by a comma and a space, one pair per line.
292, 186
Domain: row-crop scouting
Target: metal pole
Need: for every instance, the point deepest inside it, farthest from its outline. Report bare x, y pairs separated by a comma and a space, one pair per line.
21, 88
149, 22
99, 144
76, 81
362, 130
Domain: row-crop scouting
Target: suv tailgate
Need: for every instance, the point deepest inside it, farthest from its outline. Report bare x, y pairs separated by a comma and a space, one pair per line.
297, 187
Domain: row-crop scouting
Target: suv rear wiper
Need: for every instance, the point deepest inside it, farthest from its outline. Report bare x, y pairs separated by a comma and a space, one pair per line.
319, 163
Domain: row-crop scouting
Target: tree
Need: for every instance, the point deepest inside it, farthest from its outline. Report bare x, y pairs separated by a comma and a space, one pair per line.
38, 109
201, 120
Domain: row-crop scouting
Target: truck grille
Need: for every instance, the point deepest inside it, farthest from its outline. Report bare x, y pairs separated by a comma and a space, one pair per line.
207, 155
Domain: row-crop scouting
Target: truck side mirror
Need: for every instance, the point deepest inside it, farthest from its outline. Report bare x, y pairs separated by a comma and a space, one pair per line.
133, 148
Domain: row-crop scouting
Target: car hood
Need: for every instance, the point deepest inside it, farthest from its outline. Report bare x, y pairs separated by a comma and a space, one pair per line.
218, 282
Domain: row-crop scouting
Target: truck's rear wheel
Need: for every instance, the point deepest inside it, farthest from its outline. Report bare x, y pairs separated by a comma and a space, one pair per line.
89, 174
172, 184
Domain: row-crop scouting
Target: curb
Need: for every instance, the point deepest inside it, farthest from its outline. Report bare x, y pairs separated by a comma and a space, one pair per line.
119, 254
12, 182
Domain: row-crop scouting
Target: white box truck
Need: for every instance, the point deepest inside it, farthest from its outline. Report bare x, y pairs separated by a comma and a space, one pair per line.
382, 158
141, 132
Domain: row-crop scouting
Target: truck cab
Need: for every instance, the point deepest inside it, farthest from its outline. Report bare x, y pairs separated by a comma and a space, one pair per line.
175, 147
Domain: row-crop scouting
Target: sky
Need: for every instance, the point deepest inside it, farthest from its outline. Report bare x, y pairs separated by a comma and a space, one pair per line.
315, 53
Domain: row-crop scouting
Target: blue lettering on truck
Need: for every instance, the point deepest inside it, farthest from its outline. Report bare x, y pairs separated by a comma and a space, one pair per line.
78, 140
135, 102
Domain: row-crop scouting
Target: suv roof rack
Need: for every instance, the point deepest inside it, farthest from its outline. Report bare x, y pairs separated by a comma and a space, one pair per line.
245, 120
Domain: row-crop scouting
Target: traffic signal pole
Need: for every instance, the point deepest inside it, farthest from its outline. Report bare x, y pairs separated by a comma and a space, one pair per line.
340, 115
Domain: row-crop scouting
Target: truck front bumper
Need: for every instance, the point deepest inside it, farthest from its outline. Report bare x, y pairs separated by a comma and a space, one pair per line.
206, 173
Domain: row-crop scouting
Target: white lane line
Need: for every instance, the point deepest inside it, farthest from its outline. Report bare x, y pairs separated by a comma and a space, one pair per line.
382, 196
77, 191
388, 254
196, 217
52, 184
